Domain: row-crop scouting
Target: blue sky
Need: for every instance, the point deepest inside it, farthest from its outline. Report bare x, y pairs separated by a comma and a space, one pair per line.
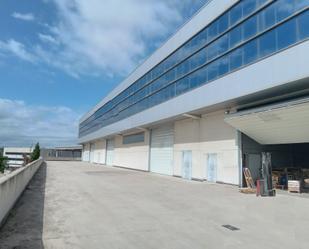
58, 58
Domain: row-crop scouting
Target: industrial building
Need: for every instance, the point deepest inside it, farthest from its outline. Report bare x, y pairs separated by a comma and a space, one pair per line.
16, 155
231, 83
68, 153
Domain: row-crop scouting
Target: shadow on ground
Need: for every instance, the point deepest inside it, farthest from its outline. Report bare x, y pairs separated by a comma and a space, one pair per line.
24, 226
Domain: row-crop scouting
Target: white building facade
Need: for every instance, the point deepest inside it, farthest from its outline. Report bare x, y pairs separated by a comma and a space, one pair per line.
16, 155
236, 70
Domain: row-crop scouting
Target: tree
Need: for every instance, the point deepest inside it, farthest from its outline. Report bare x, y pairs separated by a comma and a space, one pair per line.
36, 153
3, 163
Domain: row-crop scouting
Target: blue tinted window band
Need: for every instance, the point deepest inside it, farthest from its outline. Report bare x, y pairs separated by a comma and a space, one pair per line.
116, 116
265, 4
216, 58
240, 22
254, 62
232, 27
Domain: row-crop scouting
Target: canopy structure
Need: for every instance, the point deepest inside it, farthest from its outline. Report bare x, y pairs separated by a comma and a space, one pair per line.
283, 123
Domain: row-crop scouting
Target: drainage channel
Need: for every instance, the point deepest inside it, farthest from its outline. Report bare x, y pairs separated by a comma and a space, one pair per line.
230, 227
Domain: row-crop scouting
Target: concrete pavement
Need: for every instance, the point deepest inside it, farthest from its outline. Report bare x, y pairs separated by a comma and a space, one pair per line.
79, 205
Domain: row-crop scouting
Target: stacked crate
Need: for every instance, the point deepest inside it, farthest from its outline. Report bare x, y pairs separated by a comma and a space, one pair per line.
294, 186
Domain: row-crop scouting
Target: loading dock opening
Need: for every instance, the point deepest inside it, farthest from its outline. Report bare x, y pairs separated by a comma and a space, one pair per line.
282, 130
290, 162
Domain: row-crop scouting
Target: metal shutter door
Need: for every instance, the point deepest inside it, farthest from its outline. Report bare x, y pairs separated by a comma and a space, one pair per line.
161, 150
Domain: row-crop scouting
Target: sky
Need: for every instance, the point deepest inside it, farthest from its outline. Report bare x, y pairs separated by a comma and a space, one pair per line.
58, 58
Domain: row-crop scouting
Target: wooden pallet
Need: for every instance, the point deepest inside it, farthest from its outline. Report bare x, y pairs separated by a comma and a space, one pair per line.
247, 190
251, 188
248, 178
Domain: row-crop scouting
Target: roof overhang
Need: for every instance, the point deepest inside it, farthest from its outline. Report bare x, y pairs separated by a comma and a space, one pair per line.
282, 123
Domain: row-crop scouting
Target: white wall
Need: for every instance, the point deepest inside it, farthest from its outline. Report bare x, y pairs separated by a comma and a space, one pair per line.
12, 185
135, 156
210, 134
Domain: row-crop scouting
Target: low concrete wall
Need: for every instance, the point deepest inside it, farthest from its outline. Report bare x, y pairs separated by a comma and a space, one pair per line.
12, 186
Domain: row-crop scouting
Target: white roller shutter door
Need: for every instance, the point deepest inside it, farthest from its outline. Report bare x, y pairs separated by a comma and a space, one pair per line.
161, 150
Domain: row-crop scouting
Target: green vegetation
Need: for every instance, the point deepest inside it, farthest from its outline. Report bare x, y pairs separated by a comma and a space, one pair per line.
3, 163
36, 153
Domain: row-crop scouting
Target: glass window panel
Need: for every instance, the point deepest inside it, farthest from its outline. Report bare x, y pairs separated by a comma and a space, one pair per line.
212, 51
223, 23
268, 17
212, 31
156, 99
235, 36
173, 59
148, 77
203, 36
197, 42
178, 55
212, 71
198, 78
168, 92
236, 59
250, 28
172, 89
236, 13
299, 4
198, 59
186, 66
155, 72
223, 44
303, 25
248, 7
186, 50
156, 85
182, 85
168, 63
284, 8
223, 64
170, 76
286, 34
267, 43
145, 103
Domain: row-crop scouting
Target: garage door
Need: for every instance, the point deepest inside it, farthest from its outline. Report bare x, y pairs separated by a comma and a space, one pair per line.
161, 150
283, 123
110, 152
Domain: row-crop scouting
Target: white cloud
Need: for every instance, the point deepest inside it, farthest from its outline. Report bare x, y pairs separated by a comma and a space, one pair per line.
48, 39
18, 49
22, 124
95, 37
24, 17
109, 35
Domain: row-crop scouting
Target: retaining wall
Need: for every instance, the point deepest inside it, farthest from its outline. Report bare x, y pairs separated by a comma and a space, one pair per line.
12, 186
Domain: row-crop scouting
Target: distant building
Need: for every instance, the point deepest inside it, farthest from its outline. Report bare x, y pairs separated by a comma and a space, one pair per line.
16, 155
73, 153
